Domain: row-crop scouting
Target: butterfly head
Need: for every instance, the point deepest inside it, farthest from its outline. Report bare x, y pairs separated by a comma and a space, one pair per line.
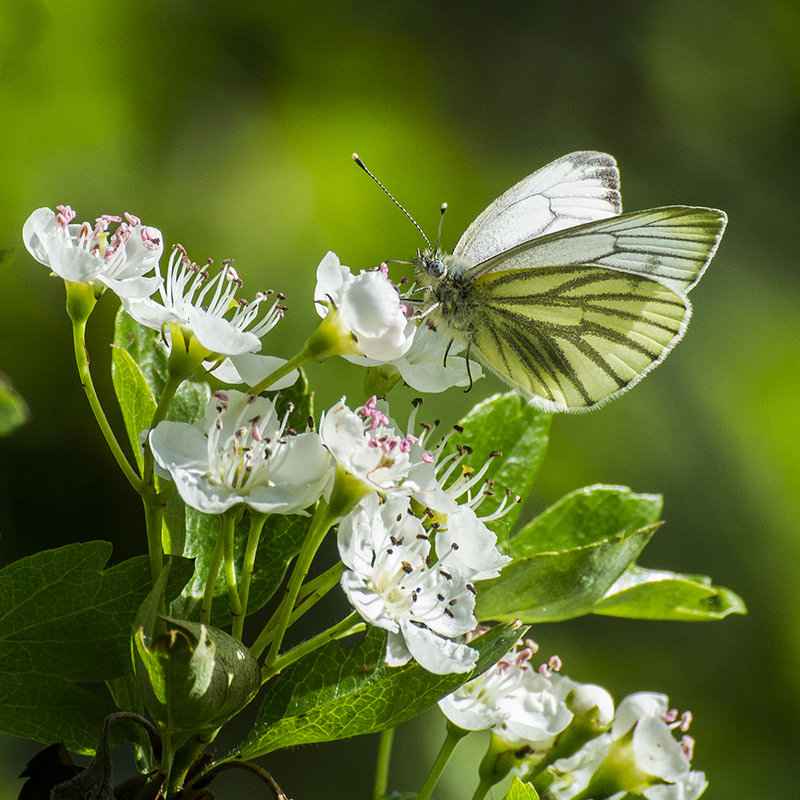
432, 261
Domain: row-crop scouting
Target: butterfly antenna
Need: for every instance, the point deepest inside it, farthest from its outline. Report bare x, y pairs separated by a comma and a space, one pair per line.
391, 197
439, 232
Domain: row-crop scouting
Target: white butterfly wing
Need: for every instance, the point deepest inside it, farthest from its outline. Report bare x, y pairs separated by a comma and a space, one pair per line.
574, 189
672, 244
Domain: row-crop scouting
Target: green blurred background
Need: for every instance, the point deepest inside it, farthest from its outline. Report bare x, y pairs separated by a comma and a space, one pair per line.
230, 127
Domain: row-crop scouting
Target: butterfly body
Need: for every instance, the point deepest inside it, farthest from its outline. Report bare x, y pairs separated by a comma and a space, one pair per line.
565, 298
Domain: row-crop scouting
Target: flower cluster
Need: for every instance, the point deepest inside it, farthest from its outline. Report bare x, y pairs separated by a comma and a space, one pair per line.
566, 738
413, 557
640, 755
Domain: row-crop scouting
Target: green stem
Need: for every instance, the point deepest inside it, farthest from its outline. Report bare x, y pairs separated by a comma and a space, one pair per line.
313, 591
483, 789
454, 736
293, 363
82, 362
382, 766
257, 521
154, 519
350, 624
320, 524
167, 395
154, 503
211, 580
229, 566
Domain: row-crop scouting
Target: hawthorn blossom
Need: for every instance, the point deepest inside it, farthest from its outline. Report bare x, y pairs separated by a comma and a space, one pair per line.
86, 253
424, 607
523, 705
368, 307
451, 499
639, 755
190, 297
369, 447
242, 452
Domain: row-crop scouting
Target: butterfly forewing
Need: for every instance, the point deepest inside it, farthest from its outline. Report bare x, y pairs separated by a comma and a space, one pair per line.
577, 188
673, 244
568, 337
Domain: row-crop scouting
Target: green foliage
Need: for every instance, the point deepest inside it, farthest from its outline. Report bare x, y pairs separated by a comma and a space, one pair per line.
578, 557
641, 593
341, 691
508, 424
134, 396
521, 791
567, 558
13, 408
63, 621
281, 540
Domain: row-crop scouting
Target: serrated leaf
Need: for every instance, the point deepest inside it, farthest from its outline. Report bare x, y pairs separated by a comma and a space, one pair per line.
14, 411
135, 398
281, 540
586, 516
554, 586
508, 424
641, 593
338, 691
521, 791
63, 619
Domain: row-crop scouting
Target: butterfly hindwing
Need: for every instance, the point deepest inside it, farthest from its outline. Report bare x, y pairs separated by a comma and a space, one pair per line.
569, 337
576, 188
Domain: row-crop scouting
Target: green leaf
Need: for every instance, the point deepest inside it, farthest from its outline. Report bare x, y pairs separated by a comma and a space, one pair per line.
338, 691
281, 540
561, 585
64, 620
641, 593
14, 410
586, 516
521, 791
134, 396
508, 424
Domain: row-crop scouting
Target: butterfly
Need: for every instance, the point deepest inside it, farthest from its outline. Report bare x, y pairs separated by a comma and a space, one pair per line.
565, 298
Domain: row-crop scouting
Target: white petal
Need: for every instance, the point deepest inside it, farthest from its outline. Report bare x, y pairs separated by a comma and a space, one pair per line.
132, 287
366, 602
252, 368
219, 336
436, 654
178, 445
636, 706
470, 545
397, 654
656, 750
470, 713
332, 277
39, 225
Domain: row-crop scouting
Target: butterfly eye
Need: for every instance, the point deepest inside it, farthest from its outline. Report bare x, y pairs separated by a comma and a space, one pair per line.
435, 267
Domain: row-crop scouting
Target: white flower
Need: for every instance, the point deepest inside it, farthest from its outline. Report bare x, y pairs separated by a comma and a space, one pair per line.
90, 254
462, 537
424, 366
368, 447
192, 298
390, 583
520, 704
368, 306
242, 453
650, 762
